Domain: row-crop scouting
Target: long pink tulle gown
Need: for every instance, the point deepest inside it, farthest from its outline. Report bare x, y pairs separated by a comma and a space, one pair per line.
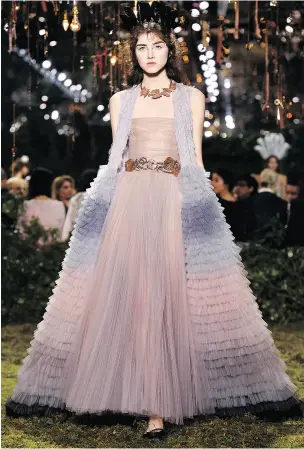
137, 348
136, 354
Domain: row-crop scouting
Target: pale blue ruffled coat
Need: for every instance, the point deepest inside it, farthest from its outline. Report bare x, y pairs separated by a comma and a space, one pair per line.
237, 360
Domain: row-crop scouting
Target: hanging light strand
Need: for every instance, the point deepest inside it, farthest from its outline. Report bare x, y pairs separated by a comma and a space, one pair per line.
12, 27
236, 19
256, 20
29, 87
266, 104
14, 149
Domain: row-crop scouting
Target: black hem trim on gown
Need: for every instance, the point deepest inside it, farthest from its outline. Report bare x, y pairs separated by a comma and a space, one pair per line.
292, 407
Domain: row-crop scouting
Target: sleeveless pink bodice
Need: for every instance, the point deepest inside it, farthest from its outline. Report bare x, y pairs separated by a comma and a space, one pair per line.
153, 138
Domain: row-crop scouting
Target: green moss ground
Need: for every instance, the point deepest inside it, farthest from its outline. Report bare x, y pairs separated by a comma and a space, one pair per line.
53, 432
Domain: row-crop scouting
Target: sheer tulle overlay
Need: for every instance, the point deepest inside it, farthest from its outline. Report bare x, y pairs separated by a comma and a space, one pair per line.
153, 337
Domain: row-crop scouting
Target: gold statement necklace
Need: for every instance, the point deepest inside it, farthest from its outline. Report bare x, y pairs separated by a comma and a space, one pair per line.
156, 93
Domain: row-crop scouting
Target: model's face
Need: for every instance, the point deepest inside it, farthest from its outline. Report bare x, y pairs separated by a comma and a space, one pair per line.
292, 192
66, 191
273, 164
218, 184
151, 52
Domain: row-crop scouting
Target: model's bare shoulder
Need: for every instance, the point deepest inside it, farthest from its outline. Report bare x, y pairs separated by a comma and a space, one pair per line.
197, 101
114, 106
197, 94
115, 100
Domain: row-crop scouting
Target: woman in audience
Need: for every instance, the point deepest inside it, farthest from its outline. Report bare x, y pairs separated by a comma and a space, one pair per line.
50, 213
222, 183
272, 163
63, 188
17, 184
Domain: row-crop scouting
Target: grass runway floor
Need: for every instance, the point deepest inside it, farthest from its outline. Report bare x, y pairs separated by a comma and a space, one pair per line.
56, 432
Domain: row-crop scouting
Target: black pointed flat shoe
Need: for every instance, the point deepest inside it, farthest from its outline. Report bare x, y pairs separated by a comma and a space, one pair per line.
155, 433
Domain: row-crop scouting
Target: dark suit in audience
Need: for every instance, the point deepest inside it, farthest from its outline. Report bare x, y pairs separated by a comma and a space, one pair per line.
245, 223
267, 206
295, 229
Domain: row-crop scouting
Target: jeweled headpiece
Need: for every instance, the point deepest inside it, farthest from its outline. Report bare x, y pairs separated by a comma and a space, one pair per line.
157, 15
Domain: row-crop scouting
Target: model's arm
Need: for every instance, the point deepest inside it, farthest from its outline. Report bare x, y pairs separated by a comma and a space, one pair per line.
198, 117
114, 111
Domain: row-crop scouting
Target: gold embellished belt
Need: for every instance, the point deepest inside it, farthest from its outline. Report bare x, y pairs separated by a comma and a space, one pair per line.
168, 166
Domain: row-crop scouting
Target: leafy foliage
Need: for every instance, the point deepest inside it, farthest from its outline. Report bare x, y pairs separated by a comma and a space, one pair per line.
276, 277
30, 266
31, 262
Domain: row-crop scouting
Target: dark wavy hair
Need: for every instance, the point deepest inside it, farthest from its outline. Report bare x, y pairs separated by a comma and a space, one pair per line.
174, 66
40, 182
86, 178
278, 170
251, 182
226, 175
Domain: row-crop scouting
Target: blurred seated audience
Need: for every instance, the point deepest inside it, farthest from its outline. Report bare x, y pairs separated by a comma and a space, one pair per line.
8, 218
63, 188
245, 189
3, 180
267, 205
292, 190
86, 178
4, 188
17, 184
222, 183
294, 234
50, 213
273, 164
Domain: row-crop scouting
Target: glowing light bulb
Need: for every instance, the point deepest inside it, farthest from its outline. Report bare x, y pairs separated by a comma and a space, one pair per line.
55, 115
204, 5
46, 64
75, 25
113, 59
61, 76
65, 22
196, 27
195, 12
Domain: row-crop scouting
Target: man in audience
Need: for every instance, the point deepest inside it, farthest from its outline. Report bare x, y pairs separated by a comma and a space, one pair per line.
292, 190
294, 234
245, 189
268, 207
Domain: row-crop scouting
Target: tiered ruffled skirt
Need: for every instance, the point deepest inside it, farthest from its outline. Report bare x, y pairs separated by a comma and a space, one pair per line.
154, 339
